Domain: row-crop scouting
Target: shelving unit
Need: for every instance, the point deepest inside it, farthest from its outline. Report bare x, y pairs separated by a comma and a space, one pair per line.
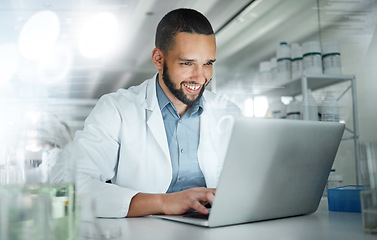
320, 81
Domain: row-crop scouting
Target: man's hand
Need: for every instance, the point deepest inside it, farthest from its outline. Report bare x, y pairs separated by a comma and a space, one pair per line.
191, 199
143, 204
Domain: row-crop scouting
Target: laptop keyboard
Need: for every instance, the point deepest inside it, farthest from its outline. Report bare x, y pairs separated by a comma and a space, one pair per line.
196, 215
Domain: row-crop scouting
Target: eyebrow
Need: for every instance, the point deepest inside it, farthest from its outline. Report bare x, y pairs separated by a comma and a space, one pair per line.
192, 60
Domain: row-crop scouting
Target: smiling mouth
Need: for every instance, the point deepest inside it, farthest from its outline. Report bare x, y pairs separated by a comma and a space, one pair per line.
192, 87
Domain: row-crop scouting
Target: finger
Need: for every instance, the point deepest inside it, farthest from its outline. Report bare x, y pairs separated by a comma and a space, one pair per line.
200, 208
212, 191
207, 197
210, 197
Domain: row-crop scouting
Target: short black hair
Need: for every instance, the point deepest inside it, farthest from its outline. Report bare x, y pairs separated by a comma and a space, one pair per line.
180, 20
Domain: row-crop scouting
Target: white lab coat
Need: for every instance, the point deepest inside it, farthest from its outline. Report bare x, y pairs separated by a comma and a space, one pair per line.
124, 140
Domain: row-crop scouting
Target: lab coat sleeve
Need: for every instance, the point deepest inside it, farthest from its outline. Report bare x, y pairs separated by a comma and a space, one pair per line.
96, 150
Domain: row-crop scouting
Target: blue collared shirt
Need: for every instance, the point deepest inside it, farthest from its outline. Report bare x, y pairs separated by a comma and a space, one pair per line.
183, 139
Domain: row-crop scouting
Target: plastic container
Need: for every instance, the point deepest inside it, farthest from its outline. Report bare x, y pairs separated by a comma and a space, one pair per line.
345, 199
264, 72
274, 70
369, 210
283, 56
368, 164
312, 107
331, 58
329, 108
294, 110
277, 109
312, 60
296, 64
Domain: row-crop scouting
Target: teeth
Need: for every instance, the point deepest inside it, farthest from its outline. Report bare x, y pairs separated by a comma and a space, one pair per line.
192, 87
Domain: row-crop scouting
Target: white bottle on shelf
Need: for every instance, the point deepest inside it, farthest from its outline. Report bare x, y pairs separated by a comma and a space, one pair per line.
277, 109
274, 70
329, 109
312, 107
283, 56
296, 64
264, 73
331, 58
312, 60
294, 110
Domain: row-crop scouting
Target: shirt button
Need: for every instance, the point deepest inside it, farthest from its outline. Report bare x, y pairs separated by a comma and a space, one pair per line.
182, 150
180, 178
180, 121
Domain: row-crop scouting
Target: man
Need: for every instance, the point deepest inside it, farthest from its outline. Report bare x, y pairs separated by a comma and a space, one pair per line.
161, 143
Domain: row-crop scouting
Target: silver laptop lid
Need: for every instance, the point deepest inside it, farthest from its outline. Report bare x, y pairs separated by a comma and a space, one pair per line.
274, 168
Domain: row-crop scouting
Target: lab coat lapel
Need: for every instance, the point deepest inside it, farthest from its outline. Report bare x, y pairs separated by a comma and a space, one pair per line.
154, 118
215, 128
209, 159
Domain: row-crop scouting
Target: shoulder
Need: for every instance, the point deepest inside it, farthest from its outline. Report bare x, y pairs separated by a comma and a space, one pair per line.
115, 109
123, 101
124, 98
130, 94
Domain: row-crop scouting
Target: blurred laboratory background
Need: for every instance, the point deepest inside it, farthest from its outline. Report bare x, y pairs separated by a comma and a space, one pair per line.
59, 57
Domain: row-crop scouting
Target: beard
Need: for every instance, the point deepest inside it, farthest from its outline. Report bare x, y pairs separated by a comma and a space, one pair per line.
178, 92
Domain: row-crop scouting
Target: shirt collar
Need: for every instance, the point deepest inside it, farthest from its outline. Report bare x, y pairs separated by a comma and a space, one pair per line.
163, 101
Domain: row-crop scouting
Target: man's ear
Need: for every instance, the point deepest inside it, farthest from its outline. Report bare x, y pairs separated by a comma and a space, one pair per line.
158, 58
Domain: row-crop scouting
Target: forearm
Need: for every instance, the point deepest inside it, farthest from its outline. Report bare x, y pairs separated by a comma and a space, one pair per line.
143, 204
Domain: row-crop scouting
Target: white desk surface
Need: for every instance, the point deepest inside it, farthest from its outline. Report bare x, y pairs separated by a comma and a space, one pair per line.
320, 225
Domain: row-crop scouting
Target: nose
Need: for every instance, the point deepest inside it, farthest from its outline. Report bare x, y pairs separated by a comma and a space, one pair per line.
201, 74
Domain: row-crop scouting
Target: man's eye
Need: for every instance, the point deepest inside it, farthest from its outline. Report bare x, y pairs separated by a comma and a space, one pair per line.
209, 63
186, 63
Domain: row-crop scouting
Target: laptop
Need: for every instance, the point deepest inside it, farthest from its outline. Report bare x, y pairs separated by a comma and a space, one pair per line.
273, 168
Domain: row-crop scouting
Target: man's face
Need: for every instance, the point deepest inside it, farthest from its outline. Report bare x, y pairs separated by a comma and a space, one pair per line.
188, 67
178, 91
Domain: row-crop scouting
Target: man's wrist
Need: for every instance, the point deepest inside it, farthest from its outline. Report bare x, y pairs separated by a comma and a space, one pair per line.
143, 204
161, 202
